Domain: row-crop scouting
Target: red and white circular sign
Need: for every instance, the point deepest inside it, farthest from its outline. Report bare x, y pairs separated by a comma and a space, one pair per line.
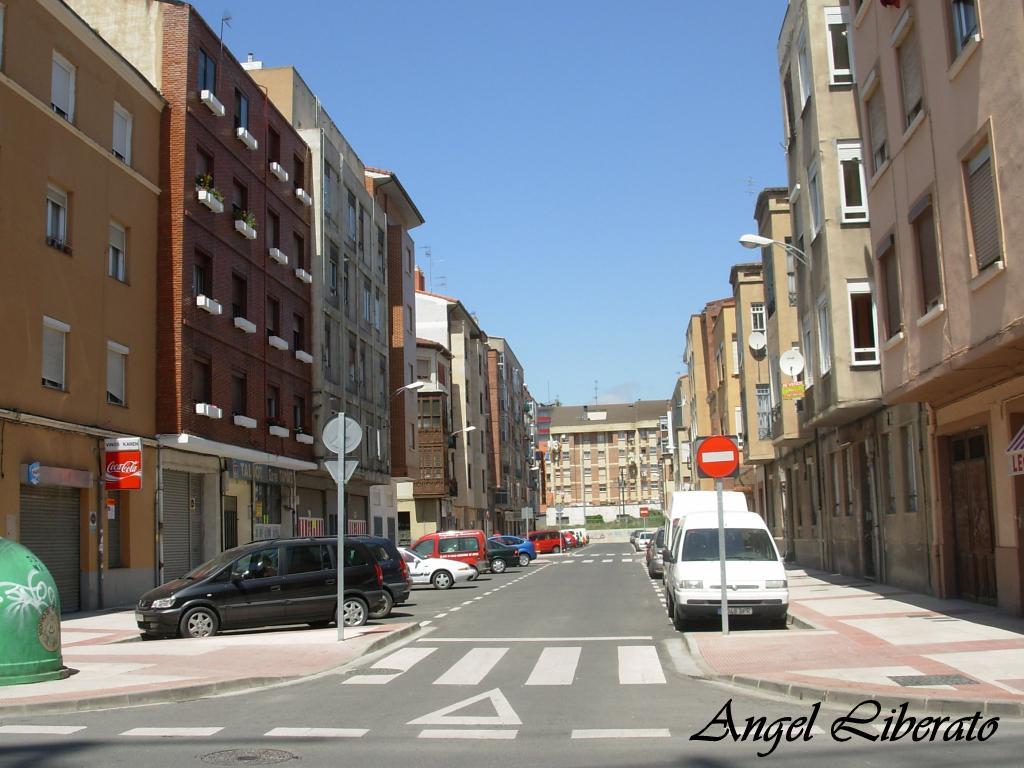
717, 456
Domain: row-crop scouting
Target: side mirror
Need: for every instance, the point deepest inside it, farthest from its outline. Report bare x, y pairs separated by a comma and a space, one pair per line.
666, 556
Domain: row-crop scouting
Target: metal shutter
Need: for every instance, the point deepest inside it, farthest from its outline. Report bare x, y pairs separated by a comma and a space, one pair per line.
51, 528
174, 536
981, 201
195, 521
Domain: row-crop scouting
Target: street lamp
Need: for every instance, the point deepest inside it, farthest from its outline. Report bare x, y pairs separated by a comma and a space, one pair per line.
759, 241
410, 387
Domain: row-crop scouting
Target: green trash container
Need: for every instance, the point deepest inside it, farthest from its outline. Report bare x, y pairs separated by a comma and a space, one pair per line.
29, 618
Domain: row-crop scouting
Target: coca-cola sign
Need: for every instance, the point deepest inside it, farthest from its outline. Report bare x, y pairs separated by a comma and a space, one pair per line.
122, 462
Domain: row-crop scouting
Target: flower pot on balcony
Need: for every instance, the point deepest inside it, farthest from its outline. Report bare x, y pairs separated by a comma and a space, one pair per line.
280, 172
207, 304
249, 233
244, 421
278, 431
246, 138
303, 275
303, 438
209, 410
209, 198
303, 357
303, 196
212, 102
278, 256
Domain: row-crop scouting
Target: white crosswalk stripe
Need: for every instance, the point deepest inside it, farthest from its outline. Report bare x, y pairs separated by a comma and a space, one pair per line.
50, 730
556, 666
639, 665
403, 660
473, 667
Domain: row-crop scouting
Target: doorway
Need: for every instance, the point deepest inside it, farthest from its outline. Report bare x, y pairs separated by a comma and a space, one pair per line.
971, 503
868, 521
229, 523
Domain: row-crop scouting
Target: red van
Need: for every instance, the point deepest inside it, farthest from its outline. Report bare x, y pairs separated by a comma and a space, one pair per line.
469, 547
547, 542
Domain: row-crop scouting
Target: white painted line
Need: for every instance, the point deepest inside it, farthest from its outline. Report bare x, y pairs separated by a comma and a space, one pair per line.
370, 679
473, 667
404, 659
456, 608
460, 733
531, 639
479, 598
626, 560
467, 602
639, 665
607, 561
425, 623
817, 730
556, 666
588, 561
620, 733
172, 732
55, 730
503, 712
441, 615
489, 593
716, 457
323, 733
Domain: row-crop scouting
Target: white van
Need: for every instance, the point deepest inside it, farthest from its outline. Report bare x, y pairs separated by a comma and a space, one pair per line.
682, 503
754, 571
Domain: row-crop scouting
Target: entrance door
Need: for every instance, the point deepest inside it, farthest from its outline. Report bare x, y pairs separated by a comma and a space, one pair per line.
50, 528
229, 523
867, 505
974, 544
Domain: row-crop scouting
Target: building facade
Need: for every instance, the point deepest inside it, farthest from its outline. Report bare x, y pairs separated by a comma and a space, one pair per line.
510, 449
80, 152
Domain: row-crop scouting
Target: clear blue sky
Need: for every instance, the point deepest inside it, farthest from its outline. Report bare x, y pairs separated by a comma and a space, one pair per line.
584, 166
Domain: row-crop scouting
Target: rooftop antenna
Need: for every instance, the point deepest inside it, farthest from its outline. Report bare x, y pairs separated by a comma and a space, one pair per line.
595, 391
750, 185
225, 21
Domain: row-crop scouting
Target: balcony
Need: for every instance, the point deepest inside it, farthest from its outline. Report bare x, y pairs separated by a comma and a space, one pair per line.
777, 426
245, 229
208, 410
207, 304
211, 198
303, 196
303, 275
278, 256
278, 171
212, 103
277, 342
244, 421
245, 325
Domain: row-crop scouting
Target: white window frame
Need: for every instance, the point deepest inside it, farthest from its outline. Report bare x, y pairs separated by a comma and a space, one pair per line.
124, 114
121, 274
58, 197
845, 151
814, 197
808, 347
60, 61
824, 343
737, 361
861, 287
960, 39
838, 16
63, 329
803, 63
119, 351
757, 317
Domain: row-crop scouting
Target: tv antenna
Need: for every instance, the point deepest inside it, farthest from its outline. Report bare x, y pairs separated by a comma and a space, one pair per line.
225, 21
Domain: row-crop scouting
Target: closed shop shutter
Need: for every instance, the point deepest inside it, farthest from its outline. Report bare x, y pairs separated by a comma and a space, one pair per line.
175, 539
195, 521
51, 528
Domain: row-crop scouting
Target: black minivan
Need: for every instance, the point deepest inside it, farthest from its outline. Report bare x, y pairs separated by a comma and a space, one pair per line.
265, 583
397, 581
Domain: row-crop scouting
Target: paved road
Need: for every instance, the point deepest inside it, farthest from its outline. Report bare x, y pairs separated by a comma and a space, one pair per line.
570, 662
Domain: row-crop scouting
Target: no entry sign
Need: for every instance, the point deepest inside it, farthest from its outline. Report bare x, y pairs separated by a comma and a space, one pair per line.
717, 456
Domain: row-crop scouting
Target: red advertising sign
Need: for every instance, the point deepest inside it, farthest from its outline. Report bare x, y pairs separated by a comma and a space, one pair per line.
717, 456
122, 463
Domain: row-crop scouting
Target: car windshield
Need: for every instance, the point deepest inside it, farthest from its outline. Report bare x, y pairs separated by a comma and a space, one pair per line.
410, 556
740, 544
211, 566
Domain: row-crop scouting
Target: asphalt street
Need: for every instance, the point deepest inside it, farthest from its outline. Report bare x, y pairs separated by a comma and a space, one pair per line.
569, 662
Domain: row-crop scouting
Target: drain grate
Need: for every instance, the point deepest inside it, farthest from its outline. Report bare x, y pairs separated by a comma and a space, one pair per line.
248, 757
912, 680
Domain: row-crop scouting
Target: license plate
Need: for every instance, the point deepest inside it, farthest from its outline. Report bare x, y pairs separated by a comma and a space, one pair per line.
739, 610
138, 616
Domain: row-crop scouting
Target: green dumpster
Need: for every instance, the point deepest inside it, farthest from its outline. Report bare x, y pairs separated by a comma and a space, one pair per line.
29, 618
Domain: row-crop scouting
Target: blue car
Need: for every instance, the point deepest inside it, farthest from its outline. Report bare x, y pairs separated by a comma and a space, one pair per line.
527, 551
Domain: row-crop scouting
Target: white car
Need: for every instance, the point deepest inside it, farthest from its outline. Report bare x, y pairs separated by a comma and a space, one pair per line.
433, 570
643, 539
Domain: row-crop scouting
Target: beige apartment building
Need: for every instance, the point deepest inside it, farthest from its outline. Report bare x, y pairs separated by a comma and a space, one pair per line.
679, 436
79, 153
939, 85
604, 460
510, 449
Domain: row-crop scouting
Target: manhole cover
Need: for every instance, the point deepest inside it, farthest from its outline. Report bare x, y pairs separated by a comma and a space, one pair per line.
248, 757
912, 680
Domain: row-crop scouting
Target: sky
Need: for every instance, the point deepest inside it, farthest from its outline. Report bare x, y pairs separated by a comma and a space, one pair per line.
584, 167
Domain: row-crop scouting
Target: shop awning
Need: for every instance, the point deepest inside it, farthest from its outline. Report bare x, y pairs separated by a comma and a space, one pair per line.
1015, 453
196, 444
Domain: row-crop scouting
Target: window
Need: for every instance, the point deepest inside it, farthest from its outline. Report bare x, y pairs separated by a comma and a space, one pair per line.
202, 275
851, 175
965, 23
273, 401
299, 244
927, 258
367, 308
62, 88
201, 381
273, 230
360, 231
241, 110
207, 72
116, 252
981, 206
804, 65
239, 395
364, 379
350, 221
910, 465
300, 172
863, 334
273, 318
768, 273
122, 144
737, 361
56, 216
299, 413
382, 255
346, 290
239, 198
239, 296
908, 58
763, 393
757, 316
824, 347
787, 93
54, 343
117, 363
376, 309
204, 165
332, 270
352, 384
409, 326
328, 350
791, 276
814, 198
328, 186
877, 131
273, 146
837, 24
298, 332
888, 271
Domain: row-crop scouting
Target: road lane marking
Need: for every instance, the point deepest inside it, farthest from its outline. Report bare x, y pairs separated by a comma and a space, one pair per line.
588, 561
620, 733
607, 561
403, 660
441, 615
531, 639
323, 733
173, 732
54, 730
639, 665
473, 667
370, 679
503, 712
459, 733
556, 666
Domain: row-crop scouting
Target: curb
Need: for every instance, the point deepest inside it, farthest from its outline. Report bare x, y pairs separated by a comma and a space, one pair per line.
188, 692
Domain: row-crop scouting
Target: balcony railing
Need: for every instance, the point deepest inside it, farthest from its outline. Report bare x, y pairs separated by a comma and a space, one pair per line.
776, 417
764, 423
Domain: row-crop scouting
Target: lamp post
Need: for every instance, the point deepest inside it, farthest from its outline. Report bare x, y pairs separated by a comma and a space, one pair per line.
759, 241
452, 436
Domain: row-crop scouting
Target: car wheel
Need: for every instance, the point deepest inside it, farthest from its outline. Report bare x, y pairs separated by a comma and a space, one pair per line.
356, 612
678, 620
385, 611
524, 559
441, 580
199, 622
557, 550
498, 565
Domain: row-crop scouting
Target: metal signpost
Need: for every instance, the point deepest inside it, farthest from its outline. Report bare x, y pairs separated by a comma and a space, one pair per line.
718, 457
342, 435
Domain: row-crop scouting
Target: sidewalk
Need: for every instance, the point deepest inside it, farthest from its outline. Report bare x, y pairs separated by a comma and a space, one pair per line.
853, 641
115, 668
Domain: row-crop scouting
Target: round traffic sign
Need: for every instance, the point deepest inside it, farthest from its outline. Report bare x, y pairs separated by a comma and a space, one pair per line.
717, 456
332, 434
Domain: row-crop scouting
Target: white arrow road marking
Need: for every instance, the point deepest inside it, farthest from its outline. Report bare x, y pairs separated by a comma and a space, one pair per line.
323, 733
556, 666
716, 457
504, 714
473, 667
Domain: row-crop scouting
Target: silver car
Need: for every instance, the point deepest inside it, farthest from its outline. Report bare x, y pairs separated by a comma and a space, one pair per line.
655, 562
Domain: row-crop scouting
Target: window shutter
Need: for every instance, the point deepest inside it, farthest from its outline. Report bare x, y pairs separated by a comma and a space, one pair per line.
876, 129
121, 133
53, 356
928, 259
981, 199
115, 376
909, 56
60, 87
117, 237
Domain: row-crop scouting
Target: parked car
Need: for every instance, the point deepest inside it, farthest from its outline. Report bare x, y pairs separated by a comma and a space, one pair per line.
547, 542
441, 574
642, 540
633, 535
571, 542
681, 503
500, 556
265, 583
655, 563
753, 569
469, 547
527, 550
397, 582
